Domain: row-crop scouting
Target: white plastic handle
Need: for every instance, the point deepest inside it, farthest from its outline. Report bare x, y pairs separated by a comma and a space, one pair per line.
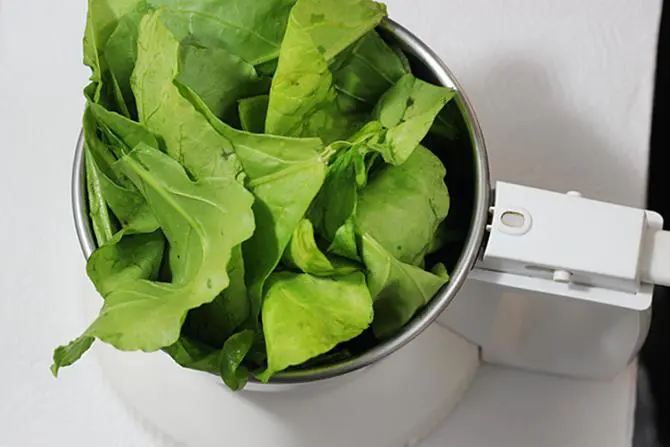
655, 258
574, 246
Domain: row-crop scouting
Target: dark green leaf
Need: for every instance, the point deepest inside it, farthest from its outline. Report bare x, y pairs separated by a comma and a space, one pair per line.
253, 112
66, 355
234, 351
192, 354
218, 77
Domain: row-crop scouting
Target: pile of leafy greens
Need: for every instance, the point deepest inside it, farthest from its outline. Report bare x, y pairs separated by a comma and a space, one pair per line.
256, 182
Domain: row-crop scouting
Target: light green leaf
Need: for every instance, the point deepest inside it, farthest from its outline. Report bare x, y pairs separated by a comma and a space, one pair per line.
121, 195
402, 206
285, 174
366, 70
337, 198
440, 270
407, 111
344, 243
251, 29
102, 19
302, 96
214, 322
303, 253
305, 316
120, 54
97, 206
399, 290
186, 134
203, 222
132, 258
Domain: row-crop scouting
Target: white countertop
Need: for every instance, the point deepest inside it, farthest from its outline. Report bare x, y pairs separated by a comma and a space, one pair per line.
563, 91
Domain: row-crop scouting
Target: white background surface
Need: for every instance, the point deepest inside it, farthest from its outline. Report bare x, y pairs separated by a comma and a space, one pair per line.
563, 91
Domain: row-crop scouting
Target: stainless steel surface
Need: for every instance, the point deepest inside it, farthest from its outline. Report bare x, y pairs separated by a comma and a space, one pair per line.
435, 67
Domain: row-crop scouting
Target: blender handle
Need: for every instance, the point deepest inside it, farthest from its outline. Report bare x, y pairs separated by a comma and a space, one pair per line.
568, 245
655, 258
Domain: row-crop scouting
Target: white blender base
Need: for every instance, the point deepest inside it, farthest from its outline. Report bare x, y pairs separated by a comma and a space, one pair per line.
397, 402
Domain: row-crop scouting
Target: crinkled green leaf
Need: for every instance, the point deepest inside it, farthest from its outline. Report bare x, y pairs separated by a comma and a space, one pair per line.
214, 322
285, 174
129, 259
251, 29
366, 70
101, 222
407, 112
132, 258
186, 134
218, 77
203, 221
102, 19
122, 197
235, 349
66, 355
337, 198
399, 290
192, 354
344, 243
402, 206
303, 99
303, 253
305, 316
120, 53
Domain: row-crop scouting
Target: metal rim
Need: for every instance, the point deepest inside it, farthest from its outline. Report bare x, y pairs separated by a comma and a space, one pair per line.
443, 298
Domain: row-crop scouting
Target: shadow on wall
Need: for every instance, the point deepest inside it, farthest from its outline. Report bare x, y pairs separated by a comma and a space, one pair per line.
537, 136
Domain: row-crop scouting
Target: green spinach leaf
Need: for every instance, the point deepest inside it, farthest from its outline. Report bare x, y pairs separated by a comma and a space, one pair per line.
253, 112
192, 354
214, 322
399, 290
303, 253
402, 206
219, 78
366, 70
202, 222
235, 350
407, 112
186, 134
303, 97
253, 30
305, 316
285, 174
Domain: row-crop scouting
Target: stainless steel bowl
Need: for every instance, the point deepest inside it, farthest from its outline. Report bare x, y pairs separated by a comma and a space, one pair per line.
469, 166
